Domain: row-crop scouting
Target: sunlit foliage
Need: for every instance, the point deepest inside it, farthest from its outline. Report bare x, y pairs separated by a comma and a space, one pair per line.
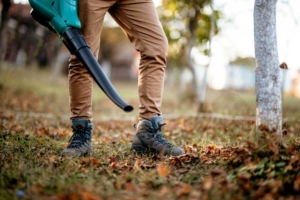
183, 19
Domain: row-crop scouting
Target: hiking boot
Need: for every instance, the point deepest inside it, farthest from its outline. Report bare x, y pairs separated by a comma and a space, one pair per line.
80, 143
149, 138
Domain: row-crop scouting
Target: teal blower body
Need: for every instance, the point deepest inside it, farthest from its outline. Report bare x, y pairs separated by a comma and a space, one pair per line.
60, 16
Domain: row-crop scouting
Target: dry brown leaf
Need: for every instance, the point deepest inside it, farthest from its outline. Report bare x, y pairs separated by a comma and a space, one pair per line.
176, 162
112, 159
273, 147
89, 161
297, 141
204, 158
36, 188
52, 159
113, 165
297, 183
187, 159
184, 189
244, 176
136, 164
207, 183
293, 159
264, 128
162, 170
283, 66
71, 197
118, 185
87, 195
164, 190
216, 172
147, 166
276, 185
130, 187
268, 197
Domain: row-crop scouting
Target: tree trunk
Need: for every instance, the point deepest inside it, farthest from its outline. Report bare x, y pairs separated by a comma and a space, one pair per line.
191, 43
204, 84
268, 82
3, 34
4, 13
191, 65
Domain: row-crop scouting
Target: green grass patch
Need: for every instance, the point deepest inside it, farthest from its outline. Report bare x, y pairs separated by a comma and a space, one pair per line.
223, 160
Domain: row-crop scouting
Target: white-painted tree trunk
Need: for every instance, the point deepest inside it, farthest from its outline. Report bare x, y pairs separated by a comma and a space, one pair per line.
204, 85
268, 81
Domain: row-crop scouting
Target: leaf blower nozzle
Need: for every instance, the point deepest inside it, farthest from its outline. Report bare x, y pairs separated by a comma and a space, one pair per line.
77, 45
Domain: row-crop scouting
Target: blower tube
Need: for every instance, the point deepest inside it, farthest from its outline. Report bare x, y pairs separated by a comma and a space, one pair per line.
77, 45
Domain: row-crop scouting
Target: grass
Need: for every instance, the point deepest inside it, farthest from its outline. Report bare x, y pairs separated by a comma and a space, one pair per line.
223, 160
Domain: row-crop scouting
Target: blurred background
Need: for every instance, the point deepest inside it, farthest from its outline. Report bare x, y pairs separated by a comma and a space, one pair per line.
211, 65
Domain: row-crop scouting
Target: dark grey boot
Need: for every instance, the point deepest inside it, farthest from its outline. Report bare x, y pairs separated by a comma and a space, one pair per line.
149, 138
80, 143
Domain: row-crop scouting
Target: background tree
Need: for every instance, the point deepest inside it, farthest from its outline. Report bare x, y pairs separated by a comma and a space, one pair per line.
6, 4
268, 82
4, 12
187, 24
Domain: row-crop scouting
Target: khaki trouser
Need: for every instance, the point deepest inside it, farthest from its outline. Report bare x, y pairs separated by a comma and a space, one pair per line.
139, 20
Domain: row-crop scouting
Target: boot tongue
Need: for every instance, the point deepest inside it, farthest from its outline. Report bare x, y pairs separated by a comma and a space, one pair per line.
80, 123
156, 121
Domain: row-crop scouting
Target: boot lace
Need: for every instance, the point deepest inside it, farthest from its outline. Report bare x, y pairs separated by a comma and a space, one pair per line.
80, 136
157, 134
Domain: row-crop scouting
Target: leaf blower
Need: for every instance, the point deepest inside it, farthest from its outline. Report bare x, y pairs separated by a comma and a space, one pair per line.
60, 16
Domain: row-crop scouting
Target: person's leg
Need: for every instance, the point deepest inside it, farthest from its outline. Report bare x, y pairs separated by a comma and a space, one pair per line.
140, 21
91, 14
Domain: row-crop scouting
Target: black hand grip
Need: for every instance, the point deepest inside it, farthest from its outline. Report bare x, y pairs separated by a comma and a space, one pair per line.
39, 18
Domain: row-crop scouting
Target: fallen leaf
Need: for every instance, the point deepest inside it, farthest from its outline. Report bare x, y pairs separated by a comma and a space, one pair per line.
176, 162
184, 189
113, 165
207, 183
162, 170
52, 159
130, 187
216, 172
136, 165
244, 176
112, 159
297, 183
87, 195
297, 141
273, 147
89, 161
283, 65
164, 190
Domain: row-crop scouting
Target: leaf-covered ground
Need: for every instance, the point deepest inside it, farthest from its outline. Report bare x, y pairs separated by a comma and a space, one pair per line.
223, 158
